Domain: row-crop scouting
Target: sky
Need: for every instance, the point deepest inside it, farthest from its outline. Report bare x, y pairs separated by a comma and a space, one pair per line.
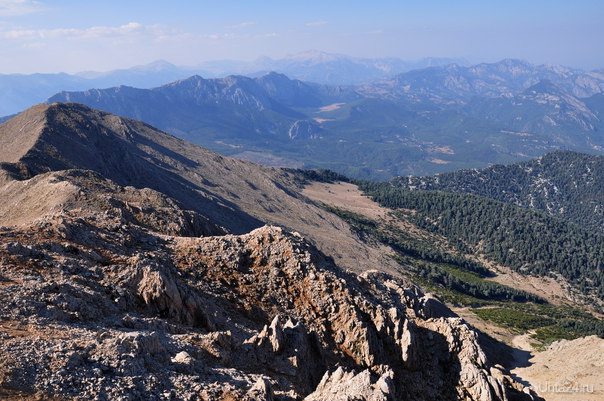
90, 35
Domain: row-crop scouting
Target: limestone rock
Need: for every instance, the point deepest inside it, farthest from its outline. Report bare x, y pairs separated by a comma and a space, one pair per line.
261, 390
182, 357
344, 386
127, 313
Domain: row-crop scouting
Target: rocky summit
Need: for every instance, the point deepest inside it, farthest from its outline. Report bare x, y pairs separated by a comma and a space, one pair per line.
118, 283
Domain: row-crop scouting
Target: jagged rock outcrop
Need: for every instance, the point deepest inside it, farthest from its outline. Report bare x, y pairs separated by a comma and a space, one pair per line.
344, 386
97, 310
304, 129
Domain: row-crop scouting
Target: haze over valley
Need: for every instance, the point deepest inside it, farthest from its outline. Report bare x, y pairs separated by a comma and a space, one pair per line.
423, 121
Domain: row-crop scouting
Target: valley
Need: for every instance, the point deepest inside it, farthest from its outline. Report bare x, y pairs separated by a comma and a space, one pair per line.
421, 122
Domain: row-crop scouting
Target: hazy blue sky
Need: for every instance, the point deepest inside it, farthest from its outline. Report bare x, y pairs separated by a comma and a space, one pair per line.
76, 35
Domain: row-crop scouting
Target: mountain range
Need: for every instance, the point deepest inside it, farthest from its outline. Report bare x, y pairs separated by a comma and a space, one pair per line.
335, 69
20, 91
138, 265
505, 78
420, 122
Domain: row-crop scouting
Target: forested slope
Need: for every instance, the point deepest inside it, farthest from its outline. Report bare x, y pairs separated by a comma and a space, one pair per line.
526, 240
563, 183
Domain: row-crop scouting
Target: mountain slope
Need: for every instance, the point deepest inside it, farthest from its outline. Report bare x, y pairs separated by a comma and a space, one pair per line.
240, 195
527, 241
545, 109
564, 184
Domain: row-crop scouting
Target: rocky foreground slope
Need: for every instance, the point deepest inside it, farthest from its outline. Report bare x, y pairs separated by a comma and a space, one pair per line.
112, 292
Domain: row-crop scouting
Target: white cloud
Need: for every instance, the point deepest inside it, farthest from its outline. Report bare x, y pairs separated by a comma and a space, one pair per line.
128, 33
11, 8
236, 36
317, 23
108, 47
241, 25
267, 35
131, 29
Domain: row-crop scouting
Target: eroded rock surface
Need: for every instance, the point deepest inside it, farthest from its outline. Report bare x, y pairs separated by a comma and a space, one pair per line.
97, 305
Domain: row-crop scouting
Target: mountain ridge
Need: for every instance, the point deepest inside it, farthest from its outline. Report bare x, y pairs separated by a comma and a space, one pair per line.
433, 120
199, 180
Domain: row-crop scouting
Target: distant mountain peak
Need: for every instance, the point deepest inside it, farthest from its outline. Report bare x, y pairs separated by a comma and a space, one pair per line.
514, 62
192, 80
545, 86
316, 56
275, 77
157, 65
275, 74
